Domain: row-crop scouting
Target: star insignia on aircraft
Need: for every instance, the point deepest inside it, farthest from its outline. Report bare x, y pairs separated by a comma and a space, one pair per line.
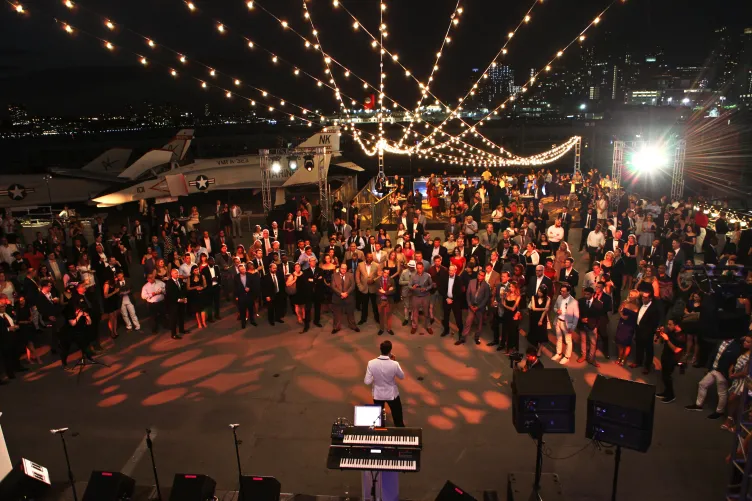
202, 182
16, 192
108, 164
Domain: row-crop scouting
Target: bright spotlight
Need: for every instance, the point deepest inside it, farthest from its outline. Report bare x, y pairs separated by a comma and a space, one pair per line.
276, 165
308, 162
648, 158
583, 106
292, 163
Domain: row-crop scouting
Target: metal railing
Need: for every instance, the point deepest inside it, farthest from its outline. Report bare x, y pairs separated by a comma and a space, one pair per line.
344, 193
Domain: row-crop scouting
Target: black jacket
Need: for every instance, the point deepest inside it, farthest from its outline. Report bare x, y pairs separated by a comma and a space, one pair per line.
174, 292
651, 320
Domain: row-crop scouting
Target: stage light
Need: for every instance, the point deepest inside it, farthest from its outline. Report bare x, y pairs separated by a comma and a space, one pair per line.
308, 162
648, 158
292, 163
276, 165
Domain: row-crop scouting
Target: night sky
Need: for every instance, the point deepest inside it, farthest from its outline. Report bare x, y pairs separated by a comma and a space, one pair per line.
54, 73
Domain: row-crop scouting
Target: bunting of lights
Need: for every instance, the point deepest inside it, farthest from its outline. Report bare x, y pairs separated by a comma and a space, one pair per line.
580, 38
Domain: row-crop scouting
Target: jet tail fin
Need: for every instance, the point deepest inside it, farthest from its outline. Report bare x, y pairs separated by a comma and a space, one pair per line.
327, 138
179, 144
111, 161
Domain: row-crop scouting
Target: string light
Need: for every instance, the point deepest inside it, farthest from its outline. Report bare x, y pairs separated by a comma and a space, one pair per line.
250, 44
19, 8
68, 28
229, 94
109, 25
190, 6
221, 28
250, 5
151, 43
203, 85
109, 46
237, 82
212, 73
183, 59
144, 61
173, 73
68, 4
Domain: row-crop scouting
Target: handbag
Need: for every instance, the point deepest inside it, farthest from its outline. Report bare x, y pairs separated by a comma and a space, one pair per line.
291, 290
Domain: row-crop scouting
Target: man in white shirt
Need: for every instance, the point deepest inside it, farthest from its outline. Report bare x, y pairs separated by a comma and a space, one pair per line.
596, 240
381, 373
153, 293
567, 315
555, 234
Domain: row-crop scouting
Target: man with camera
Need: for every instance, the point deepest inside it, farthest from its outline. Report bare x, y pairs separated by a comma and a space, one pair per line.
77, 324
381, 373
674, 342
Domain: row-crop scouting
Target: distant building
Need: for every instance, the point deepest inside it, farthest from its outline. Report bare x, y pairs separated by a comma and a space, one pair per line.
18, 115
497, 87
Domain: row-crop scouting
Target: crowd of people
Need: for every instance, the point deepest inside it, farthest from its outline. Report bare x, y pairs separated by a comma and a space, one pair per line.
496, 256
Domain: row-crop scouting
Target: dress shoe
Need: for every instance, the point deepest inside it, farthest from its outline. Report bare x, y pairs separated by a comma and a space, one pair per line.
317, 324
445, 334
305, 329
405, 322
280, 320
459, 342
594, 363
334, 331
242, 325
381, 331
391, 332
430, 331
492, 343
356, 329
22, 369
361, 322
413, 330
477, 341
254, 323
176, 337
185, 332
556, 357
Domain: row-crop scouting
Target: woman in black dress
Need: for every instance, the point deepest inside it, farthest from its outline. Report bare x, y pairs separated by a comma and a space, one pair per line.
288, 232
197, 297
297, 289
510, 330
111, 305
537, 334
26, 329
544, 248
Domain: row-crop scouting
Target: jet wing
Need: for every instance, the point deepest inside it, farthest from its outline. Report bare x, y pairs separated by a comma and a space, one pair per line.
151, 159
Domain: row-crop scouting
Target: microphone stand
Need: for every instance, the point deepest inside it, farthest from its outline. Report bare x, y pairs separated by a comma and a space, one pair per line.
61, 432
617, 461
237, 455
149, 445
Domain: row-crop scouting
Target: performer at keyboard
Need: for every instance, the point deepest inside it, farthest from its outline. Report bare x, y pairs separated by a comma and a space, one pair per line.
381, 373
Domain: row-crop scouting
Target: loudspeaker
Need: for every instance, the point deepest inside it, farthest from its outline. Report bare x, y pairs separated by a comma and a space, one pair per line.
546, 397
259, 488
27, 480
192, 487
451, 492
621, 412
109, 486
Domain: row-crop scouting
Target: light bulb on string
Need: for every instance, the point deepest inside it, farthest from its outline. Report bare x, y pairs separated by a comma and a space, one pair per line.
183, 59
221, 28
173, 73
250, 44
306, 15
68, 4
144, 61
68, 28
203, 85
109, 46
151, 43
284, 24
19, 8
213, 73
109, 24
237, 82
249, 5
190, 6
229, 94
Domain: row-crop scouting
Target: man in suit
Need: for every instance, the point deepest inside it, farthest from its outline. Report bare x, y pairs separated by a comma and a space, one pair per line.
648, 319
437, 250
259, 263
452, 293
488, 239
590, 312
535, 282
313, 288
452, 228
628, 224
313, 235
266, 243
273, 292
477, 295
176, 298
478, 252
566, 221
588, 224
613, 242
343, 285
679, 256
338, 252
100, 229
439, 274
568, 274
385, 290
416, 230
213, 276
244, 297
300, 225
654, 254
475, 208
366, 277
673, 267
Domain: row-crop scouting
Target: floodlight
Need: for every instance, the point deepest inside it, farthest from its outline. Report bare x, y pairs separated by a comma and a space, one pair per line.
276, 165
292, 163
308, 162
648, 158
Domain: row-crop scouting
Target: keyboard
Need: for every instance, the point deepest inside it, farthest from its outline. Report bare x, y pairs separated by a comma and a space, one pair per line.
391, 437
372, 458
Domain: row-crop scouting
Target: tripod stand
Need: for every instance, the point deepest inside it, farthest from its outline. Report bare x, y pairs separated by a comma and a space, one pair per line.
237, 455
61, 432
536, 432
83, 362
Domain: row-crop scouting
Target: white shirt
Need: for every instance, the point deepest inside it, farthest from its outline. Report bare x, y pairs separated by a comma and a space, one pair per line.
450, 287
555, 234
596, 239
669, 267
570, 311
642, 311
207, 245
148, 289
381, 373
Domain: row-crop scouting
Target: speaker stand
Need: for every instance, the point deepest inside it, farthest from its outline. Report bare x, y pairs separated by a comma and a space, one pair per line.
536, 432
617, 462
237, 456
72, 481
